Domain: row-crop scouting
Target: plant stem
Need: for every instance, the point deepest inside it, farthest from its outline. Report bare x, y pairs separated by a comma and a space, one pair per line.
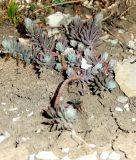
61, 89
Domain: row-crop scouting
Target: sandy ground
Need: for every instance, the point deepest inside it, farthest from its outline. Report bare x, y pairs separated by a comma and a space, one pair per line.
23, 96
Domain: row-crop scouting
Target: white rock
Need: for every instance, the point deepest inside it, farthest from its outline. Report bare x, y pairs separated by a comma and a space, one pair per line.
125, 76
133, 119
65, 158
25, 138
104, 155
4, 136
119, 109
114, 156
132, 44
92, 145
122, 99
30, 114
57, 19
15, 119
3, 103
131, 51
114, 42
65, 150
126, 106
31, 157
121, 31
46, 155
13, 109
84, 64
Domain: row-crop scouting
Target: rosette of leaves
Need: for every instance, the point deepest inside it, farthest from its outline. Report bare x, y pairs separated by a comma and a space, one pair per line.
86, 32
17, 50
70, 56
61, 118
100, 76
42, 44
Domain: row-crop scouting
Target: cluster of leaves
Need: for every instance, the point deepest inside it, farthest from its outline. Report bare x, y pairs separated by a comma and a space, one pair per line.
74, 54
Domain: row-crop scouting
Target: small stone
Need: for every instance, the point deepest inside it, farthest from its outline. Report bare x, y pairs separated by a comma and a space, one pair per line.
3, 103
131, 51
65, 158
30, 114
4, 136
119, 109
104, 155
31, 157
84, 64
122, 99
133, 119
126, 106
125, 76
92, 145
57, 19
65, 150
15, 119
13, 109
114, 42
132, 44
114, 156
46, 155
121, 31
25, 138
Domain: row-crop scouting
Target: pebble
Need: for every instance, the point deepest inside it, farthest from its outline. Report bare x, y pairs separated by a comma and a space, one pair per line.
15, 119
30, 114
46, 155
84, 64
57, 19
25, 138
92, 145
104, 155
31, 157
3, 103
65, 150
122, 99
121, 31
114, 42
114, 156
4, 136
13, 109
126, 106
65, 158
118, 109
132, 44
133, 119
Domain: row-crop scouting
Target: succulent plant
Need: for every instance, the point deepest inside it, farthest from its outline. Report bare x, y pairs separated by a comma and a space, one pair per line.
74, 55
61, 119
17, 50
87, 32
58, 66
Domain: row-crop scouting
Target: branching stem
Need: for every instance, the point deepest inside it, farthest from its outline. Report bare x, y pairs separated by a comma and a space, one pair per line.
61, 89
